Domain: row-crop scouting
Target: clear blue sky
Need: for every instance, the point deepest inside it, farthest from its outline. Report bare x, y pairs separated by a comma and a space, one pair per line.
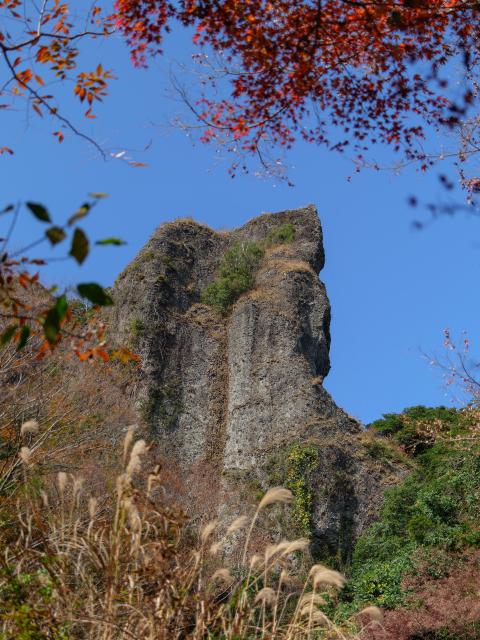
393, 289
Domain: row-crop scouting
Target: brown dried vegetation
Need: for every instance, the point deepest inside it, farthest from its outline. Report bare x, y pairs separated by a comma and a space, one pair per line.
77, 570
447, 607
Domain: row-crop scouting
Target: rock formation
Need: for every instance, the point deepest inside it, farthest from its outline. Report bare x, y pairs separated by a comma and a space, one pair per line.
237, 398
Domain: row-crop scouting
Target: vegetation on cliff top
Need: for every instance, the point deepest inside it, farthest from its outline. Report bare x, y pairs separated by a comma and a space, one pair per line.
238, 268
236, 275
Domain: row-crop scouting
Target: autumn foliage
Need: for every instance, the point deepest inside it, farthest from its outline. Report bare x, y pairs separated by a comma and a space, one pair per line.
341, 73
39, 46
335, 72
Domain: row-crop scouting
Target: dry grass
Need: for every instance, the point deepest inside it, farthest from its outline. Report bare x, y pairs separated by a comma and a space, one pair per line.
71, 415
135, 570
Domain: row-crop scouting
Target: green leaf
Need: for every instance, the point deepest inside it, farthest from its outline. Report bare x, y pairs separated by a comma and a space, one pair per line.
24, 335
51, 326
39, 211
61, 306
55, 234
54, 318
79, 213
7, 335
98, 195
95, 293
118, 242
80, 246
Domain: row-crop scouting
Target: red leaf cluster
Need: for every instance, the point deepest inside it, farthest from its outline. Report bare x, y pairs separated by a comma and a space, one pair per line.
371, 69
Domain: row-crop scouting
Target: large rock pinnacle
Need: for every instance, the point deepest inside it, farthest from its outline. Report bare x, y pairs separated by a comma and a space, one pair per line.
236, 401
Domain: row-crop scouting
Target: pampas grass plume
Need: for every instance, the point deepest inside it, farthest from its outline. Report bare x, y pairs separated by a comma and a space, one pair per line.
316, 568
222, 575
134, 464
25, 455
295, 545
271, 550
311, 599
255, 560
328, 577
127, 442
238, 523
374, 613
266, 596
62, 479
208, 529
277, 494
215, 548
319, 619
92, 507
133, 514
29, 428
77, 485
285, 578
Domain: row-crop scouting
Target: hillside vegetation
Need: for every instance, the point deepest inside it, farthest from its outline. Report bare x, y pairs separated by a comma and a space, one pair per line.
429, 527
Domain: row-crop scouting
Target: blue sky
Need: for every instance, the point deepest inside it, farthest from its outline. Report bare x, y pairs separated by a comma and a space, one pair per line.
393, 289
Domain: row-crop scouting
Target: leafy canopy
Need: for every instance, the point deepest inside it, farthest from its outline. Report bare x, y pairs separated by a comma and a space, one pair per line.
369, 70
335, 72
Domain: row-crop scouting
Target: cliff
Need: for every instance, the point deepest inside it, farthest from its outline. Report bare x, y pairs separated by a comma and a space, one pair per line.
235, 400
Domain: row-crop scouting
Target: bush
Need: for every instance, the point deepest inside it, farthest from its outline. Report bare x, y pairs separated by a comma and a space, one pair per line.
238, 268
384, 451
236, 275
380, 583
281, 235
416, 427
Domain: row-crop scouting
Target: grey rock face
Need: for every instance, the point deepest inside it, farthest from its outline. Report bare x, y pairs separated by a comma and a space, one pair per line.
231, 395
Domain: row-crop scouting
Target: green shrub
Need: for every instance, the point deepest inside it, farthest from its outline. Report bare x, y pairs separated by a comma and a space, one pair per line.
383, 451
281, 235
238, 268
380, 583
236, 275
408, 428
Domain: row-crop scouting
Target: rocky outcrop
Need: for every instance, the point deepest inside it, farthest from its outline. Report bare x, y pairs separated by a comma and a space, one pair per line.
237, 399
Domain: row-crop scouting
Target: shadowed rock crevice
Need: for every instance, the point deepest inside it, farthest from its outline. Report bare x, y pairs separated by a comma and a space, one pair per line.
226, 393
